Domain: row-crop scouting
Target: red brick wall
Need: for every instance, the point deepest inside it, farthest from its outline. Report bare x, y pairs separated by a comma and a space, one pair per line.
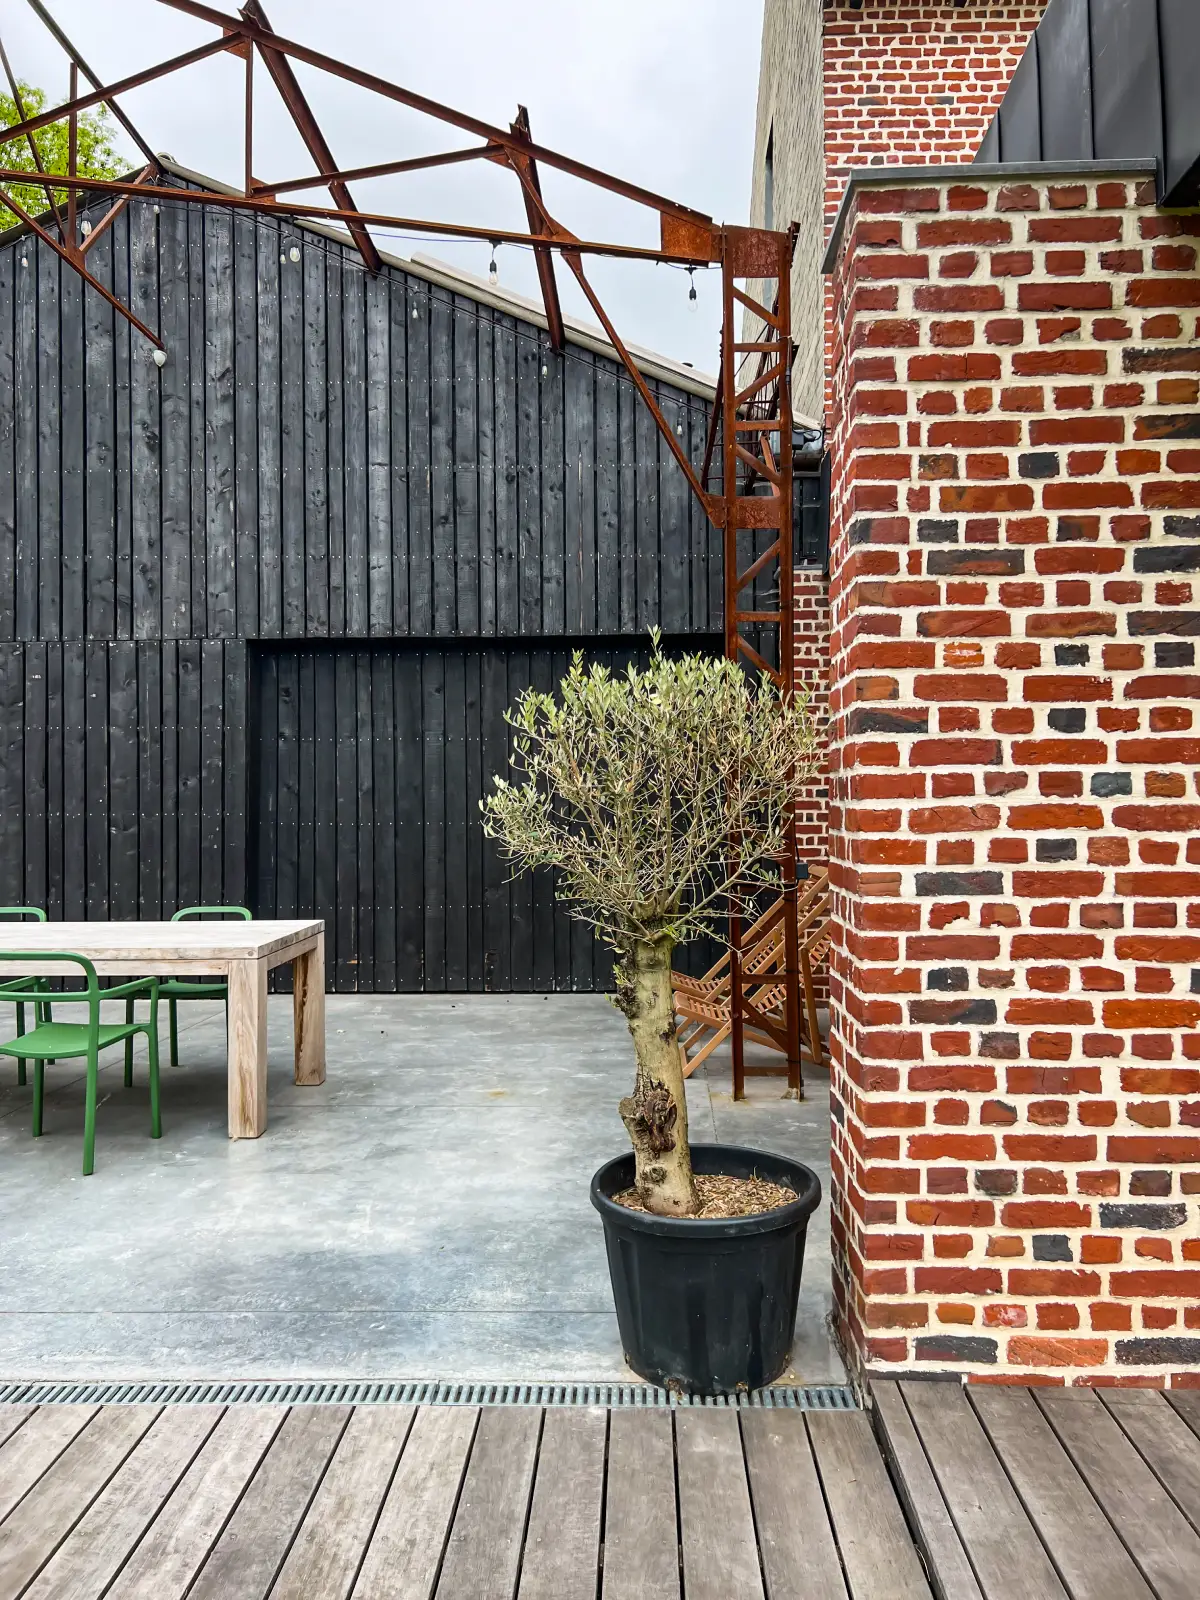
909, 84
1015, 798
811, 598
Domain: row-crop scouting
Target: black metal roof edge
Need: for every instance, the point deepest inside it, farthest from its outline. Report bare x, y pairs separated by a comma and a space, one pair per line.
966, 172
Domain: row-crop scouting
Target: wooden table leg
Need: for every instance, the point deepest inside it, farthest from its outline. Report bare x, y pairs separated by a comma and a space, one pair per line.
308, 1012
247, 1049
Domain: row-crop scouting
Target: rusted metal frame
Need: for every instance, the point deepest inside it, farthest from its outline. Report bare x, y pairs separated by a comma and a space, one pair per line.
248, 183
771, 318
434, 108
75, 260
746, 649
760, 382
757, 464
309, 130
384, 169
733, 651
269, 208
113, 212
105, 94
751, 572
49, 23
571, 257
540, 221
15, 89
714, 425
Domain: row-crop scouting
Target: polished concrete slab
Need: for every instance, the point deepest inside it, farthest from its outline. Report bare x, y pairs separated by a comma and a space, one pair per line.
423, 1214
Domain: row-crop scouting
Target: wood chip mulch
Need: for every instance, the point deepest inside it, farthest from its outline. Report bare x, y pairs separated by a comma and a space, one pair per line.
720, 1196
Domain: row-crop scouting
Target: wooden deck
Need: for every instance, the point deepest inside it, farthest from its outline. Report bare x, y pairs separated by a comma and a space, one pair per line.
457, 1502
1043, 1494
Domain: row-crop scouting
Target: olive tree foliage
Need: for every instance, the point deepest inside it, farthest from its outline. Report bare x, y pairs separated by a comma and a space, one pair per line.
653, 793
97, 155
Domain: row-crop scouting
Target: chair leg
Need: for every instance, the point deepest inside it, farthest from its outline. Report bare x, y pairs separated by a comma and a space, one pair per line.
89, 1116
173, 1014
129, 1043
20, 1032
155, 1111
45, 1014
39, 1092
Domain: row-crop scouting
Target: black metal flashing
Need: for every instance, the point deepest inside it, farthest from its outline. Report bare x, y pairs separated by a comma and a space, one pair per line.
962, 172
1108, 79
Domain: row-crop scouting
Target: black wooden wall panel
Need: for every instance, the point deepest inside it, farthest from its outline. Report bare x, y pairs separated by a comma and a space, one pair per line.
364, 797
323, 455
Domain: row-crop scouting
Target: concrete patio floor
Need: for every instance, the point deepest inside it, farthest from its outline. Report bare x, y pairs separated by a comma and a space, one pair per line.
422, 1215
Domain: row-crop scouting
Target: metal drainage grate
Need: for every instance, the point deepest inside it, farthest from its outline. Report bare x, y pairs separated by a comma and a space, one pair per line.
810, 1397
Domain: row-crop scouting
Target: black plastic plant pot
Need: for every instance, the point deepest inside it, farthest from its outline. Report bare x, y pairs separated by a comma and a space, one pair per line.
708, 1306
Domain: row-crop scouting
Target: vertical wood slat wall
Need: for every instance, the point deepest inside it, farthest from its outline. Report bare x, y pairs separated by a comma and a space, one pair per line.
324, 457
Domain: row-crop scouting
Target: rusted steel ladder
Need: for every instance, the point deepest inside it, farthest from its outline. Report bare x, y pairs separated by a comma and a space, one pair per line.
756, 454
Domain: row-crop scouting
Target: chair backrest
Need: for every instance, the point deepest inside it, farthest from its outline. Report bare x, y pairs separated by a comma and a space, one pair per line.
35, 912
92, 992
213, 911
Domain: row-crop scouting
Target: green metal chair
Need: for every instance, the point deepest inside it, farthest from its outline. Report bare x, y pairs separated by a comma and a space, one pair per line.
172, 990
21, 991
60, 1041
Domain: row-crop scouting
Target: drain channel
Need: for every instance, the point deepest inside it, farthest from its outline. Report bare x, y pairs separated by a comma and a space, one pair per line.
808, 1397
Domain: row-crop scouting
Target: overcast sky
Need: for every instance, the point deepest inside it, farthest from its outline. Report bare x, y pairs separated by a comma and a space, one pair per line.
661, 92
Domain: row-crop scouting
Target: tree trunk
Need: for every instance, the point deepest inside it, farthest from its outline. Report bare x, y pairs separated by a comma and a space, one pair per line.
656, 1112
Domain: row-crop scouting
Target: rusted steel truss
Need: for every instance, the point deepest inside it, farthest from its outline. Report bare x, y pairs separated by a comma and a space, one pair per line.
752, 418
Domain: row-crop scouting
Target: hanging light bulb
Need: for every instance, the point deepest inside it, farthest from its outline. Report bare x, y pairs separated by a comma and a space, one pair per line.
493, 269
693, 304
294, 253
85, 227
159, 358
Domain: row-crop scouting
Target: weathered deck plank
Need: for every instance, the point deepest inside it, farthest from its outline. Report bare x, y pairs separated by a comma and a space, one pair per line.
562, 1544
641, 1534
1154, 1530
252, 1546
1002, 1543
946, 1562
34, 1447
1090, 1558
877, 1551
328, 1550
799, 1553
12, 1417
716, 1523
1165, 1442
484, 1552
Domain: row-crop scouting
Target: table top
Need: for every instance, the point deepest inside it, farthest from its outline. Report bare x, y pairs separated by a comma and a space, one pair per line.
154, 942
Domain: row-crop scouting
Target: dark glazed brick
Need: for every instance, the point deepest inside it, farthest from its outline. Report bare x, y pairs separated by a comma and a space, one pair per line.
1067, 719
873, 719
1184, 360
949, 1012
975, 563
1069, 530
1167, 558
1000, 1046
1196, 980
1044, 464
860, 531
1159, 1218
1072, 655
951, 883
1180, 425
945, 1347
1174, 655
1057, 849
995, 1180
1177, 622
1156, 1185
932, 531
1052, 1247
947, 979
1156, 1352
1107, 784
1181, 527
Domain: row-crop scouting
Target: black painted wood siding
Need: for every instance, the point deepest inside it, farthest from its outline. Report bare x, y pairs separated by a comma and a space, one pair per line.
323, 455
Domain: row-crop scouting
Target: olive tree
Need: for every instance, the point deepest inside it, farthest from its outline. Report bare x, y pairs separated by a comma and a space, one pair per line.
654, 793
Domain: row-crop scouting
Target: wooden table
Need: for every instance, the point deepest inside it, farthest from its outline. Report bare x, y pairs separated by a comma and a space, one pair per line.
242, 952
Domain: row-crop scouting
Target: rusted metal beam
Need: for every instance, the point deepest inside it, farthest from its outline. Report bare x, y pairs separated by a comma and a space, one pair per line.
301, 113
111, 215
443, 113
104, 95
571, 257
384, 169
18, 105
48, 21
269, 208
75, 259
72, 239
539, 222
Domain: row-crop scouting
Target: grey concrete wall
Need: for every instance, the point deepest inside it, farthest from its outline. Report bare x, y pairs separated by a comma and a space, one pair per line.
790, 104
